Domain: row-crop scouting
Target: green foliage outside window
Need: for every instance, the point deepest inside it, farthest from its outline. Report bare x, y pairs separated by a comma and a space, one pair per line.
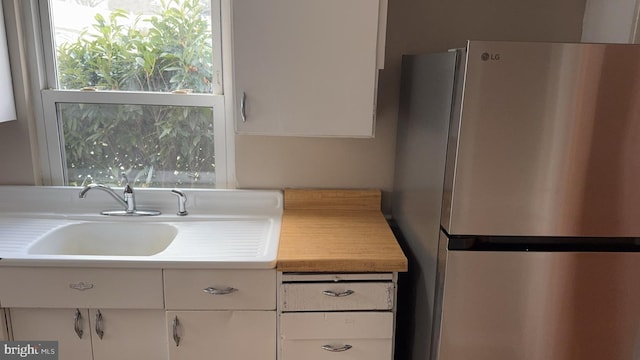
155, 145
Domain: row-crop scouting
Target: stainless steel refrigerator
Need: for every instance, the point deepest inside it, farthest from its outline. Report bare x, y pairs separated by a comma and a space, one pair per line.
517, 191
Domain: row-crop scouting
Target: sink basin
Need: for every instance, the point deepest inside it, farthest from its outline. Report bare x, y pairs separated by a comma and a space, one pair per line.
105, 239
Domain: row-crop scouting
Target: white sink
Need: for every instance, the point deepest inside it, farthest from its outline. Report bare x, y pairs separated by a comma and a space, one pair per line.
225, 229
105, 239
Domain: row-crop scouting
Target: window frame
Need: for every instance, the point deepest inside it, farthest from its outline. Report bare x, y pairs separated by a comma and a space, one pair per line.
49, 131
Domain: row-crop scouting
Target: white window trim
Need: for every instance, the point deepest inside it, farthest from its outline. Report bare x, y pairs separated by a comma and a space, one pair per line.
44, 97
53, 128
227, 73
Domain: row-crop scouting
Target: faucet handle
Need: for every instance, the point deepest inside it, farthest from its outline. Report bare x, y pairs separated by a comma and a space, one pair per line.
182, 202
128, 190
127, 187
127, 194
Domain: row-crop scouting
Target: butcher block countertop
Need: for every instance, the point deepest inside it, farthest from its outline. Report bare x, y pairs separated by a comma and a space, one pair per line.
337, 231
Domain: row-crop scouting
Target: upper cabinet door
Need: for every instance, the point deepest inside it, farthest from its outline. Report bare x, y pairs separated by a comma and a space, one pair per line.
306, 67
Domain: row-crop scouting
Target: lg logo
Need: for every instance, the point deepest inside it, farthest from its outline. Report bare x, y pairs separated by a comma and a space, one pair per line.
487, 56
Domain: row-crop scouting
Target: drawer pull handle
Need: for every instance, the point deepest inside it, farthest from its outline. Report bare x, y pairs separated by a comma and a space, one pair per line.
77, 323
82, 286
215, 291
99, 325
243, 107
338, 294
176, 337
331, 348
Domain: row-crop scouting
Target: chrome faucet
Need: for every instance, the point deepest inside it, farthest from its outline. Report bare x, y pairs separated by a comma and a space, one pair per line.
126, 202
128, 199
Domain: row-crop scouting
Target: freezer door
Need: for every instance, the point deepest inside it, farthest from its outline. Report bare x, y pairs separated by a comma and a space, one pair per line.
541, 306
548, 141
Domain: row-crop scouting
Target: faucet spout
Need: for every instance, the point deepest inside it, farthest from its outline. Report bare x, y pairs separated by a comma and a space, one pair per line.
108, 190
127, 200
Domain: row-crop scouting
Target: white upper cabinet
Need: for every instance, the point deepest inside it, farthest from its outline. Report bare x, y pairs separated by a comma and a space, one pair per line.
7, 106
307, 67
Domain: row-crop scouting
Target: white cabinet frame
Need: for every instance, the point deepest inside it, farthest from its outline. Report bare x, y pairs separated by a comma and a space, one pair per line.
308, 332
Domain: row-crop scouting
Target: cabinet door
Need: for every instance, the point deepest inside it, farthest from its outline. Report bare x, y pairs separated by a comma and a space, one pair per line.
128, 334
305, 68
69, 327
238, 335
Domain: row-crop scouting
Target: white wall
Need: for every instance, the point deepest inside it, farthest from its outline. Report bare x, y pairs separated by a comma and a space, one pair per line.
610, 21
17, 163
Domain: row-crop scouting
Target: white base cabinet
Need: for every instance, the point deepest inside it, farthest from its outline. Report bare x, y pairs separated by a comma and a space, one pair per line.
140, 314
195, 314
222, 335
221, 314
126, 334
336, 316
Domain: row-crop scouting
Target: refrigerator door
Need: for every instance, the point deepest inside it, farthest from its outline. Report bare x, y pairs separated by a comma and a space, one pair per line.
548, 141
541, 306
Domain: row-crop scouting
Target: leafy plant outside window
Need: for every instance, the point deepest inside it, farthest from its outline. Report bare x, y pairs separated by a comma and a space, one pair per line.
156, 145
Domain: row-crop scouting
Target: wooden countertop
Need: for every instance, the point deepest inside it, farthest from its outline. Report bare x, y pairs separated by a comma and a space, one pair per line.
337, 231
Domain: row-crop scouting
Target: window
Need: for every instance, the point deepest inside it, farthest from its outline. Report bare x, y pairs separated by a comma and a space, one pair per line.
134, 86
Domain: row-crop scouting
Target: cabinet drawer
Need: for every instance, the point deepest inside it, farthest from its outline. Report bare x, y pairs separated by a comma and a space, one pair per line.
220, 289
351, 336
337, 296
85, 288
